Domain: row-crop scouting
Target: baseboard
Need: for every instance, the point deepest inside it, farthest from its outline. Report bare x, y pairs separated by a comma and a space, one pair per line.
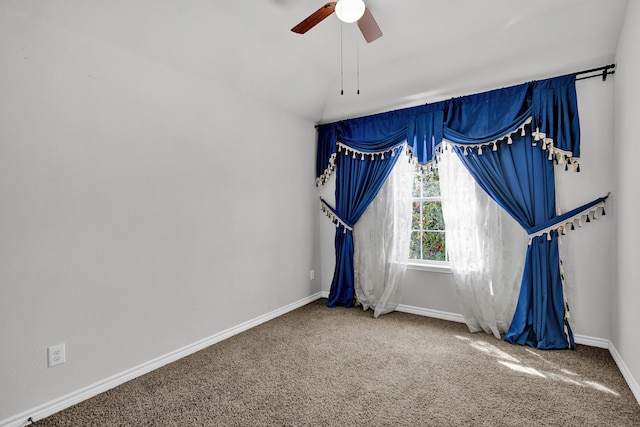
454, 317
626, 373
443, 315
591, 341
85, 393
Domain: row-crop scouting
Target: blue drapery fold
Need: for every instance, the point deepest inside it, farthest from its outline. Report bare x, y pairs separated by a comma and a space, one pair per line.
370, 146
520, 178
325, 151
514, 175
424, 131
420, 126
487, 116
513, 164
539, 320
358, 181
555, 114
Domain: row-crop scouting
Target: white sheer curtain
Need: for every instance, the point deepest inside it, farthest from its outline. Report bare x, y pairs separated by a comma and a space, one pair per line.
486, 249
381, 242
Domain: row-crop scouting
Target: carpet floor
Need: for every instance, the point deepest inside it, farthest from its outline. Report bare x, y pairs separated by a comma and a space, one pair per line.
320, 366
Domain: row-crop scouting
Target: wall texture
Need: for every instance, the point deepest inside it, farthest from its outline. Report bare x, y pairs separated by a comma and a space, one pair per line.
626, 291
587, 252
143, 209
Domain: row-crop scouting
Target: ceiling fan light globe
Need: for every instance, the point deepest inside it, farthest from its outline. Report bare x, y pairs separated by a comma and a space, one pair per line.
349, 11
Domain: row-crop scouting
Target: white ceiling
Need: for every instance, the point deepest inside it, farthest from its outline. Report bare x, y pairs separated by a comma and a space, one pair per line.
431, 49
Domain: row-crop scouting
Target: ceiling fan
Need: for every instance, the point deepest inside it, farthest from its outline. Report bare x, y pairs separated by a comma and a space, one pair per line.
347, 11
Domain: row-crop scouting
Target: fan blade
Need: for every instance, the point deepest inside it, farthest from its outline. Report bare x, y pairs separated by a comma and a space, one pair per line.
315, 18
369, 27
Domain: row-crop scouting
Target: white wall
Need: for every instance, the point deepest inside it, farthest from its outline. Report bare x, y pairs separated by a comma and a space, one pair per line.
625, 283
429, 290
587, 253
135, 214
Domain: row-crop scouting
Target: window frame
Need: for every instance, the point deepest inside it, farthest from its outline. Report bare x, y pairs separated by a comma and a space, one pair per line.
423, 264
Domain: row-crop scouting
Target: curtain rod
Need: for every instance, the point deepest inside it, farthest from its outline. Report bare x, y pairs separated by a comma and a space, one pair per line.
606, 70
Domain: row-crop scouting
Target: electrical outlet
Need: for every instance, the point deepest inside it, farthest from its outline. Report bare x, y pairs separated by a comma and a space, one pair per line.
56, 355
312, 274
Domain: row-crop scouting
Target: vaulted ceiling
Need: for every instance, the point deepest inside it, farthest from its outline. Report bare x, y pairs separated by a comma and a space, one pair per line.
431, 49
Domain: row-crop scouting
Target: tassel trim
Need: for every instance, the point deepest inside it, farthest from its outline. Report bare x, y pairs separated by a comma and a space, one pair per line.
567, 312
560, 157
370, 155
429, 166
480, 147
322, 179
362, 155
329, 212
546, 144
569, 224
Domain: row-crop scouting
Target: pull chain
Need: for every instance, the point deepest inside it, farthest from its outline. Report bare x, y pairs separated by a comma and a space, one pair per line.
341, 61
358, 66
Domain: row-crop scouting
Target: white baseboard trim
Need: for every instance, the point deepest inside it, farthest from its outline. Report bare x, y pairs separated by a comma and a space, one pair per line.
626, 373
85, 393
443, 315
454, 317
591, 341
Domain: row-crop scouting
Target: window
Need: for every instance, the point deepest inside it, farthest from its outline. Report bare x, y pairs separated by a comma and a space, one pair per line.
427, 228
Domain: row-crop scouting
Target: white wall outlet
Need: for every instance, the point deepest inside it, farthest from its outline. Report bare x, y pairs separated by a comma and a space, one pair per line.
56, 355
312, 274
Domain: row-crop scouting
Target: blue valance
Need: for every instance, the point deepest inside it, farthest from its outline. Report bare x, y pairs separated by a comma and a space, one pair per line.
548, 106
420, 126
487, 117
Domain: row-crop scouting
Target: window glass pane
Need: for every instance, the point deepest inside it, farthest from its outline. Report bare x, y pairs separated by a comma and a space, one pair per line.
433, 246
431, 189
416, 217
432, 216
417, 184
427, 237
414, 251
431, 184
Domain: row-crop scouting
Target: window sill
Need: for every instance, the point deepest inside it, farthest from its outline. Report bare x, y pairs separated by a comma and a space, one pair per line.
433, 268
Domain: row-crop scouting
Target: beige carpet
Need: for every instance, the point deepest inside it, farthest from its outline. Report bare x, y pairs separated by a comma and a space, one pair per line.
317, 366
